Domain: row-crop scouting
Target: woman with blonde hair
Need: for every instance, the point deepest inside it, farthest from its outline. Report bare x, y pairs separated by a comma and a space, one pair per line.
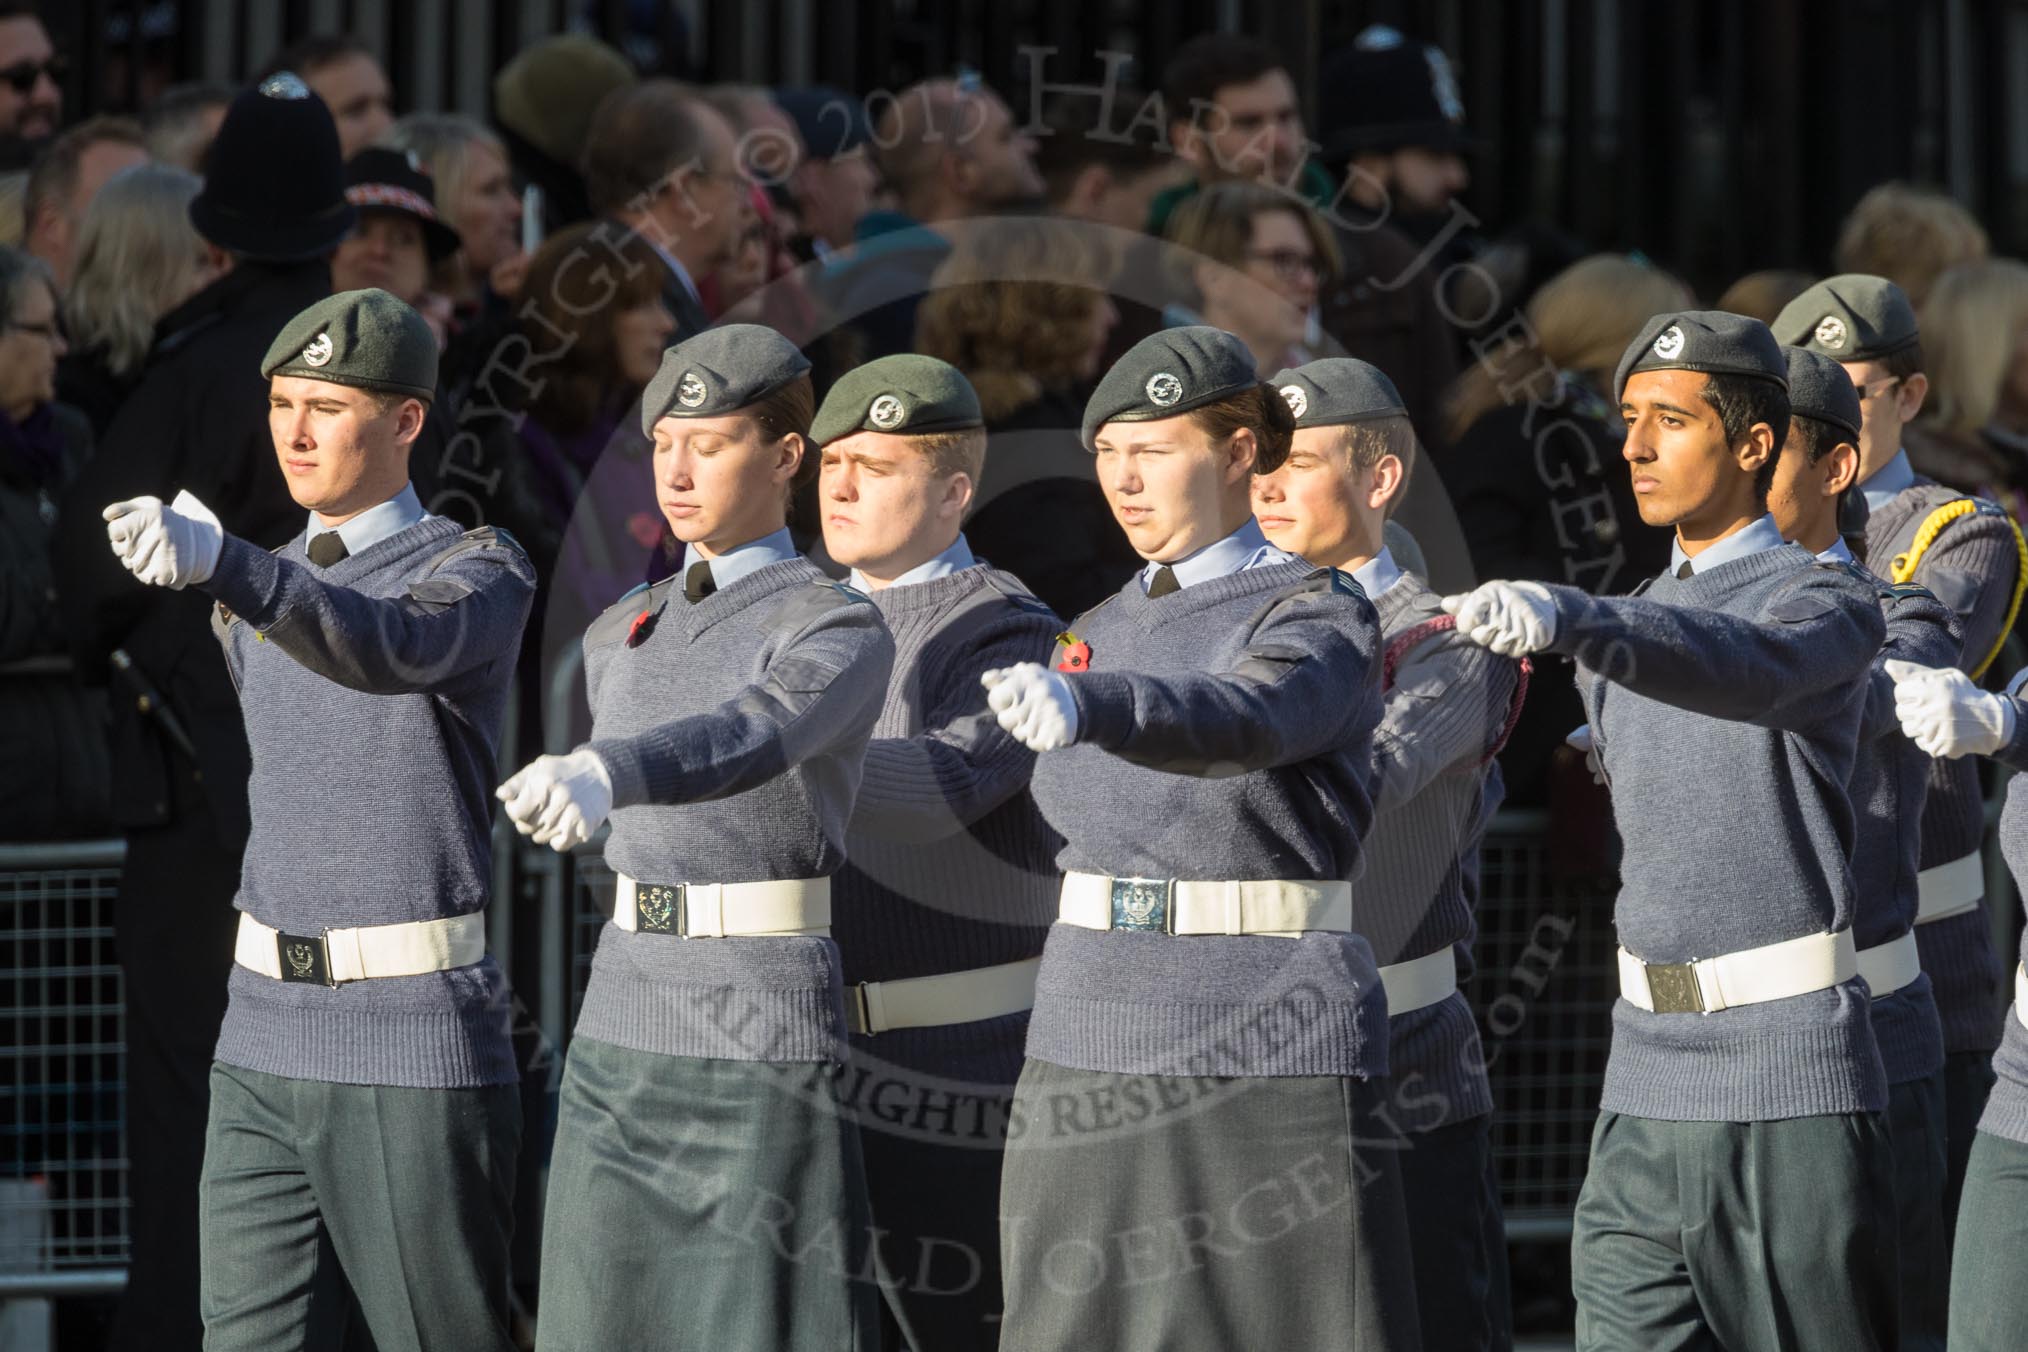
138, 258
1534, 468
1973, 429
1020, 307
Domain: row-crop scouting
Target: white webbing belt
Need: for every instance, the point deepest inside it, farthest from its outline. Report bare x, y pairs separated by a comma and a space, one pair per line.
1751, 976
948, 997
1950, 889
334, 955
1890, 966
722, 910
1420, 982
1165, 906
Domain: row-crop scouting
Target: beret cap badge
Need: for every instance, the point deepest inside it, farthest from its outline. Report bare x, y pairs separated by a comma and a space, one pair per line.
1164, 389
1831, 331
1669, 343
690, 392
318, 351
1298, 402
884, 412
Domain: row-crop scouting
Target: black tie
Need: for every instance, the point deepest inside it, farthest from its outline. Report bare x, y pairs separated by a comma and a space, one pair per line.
1163, 582
327, 549
698, 582
1683, 570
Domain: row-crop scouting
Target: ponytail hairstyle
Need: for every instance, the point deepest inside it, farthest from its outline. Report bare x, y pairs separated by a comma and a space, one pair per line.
1262, 411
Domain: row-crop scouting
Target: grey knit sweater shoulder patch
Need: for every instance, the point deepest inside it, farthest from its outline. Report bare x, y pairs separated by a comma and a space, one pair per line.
1971, 567
1725, 708
734, 728
2007, 1106
374, 692
1442, 717
948, 864
1224, 736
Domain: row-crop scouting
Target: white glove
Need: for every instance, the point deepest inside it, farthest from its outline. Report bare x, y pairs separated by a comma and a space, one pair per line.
1943, 713
1034, 704
1512, 618
174, 546
560, 801
1581, 740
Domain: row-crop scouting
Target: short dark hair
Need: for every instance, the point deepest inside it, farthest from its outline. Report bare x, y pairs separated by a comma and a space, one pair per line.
1074, 141
1814, 437
1260, 409
1369, 439
314, 53
1214, 61
639, 136
1742, 401
1904, 362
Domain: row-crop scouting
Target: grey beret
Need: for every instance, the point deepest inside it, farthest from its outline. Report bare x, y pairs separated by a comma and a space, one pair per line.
1820, 389
366, 339
906, 394
1711, 341
720, 371
1338, 390
1167, 373
1850, 317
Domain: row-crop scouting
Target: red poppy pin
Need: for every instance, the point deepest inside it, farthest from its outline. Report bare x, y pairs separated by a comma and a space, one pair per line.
1076, 655
638, 631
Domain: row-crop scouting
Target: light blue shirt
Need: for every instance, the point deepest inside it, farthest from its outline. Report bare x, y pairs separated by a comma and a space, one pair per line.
1839, 552
374, 524
1762, 534
1895, 477
1377, 574
750, 557
1245, 548
953, 560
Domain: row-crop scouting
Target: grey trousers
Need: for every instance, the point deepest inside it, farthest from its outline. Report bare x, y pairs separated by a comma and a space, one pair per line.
1736, 1235
703, 1204
1915, 1122
1458, 1238
1989, 1275
1200, 1214
315, 1196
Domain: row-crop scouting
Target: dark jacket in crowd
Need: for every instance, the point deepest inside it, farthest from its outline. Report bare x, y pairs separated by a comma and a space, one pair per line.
1383, 309
197, 420
86, 383
875, 286
1040, 514
53, 778
1550, 500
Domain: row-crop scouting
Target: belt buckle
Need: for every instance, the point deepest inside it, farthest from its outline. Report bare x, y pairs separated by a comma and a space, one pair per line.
1673, 988
1144, 904
658, 908
304, 958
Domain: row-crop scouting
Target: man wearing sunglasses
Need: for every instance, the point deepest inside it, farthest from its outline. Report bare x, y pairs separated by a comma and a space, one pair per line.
31, 84
1967, 552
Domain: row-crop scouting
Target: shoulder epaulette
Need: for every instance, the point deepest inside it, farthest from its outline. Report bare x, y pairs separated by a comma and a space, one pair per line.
1903, 566
1015, 591
1331, 580
617, 618
1906, 591
1851, 570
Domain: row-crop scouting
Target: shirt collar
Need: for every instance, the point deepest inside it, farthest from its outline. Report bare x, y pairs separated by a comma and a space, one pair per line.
1245, 548
751, 557
1762, 534
1891, 479
675, 266
375, 524
1839, 552
953, 560
1377, 574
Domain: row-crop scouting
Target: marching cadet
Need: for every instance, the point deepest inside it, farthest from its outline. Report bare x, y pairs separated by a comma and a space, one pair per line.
704, 1189
1191, 1162
1740, 1188
1969, 554
364, 1121
951, 879
1448, 706
1949, 717
1890, 777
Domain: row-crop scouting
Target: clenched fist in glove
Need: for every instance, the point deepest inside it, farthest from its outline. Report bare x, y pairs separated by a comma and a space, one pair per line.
1947, 716
559, 801
1514, 619
1034, 704
174, 546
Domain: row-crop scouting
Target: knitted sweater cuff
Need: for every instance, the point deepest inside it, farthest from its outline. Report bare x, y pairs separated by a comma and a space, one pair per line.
624, 763
246, 581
